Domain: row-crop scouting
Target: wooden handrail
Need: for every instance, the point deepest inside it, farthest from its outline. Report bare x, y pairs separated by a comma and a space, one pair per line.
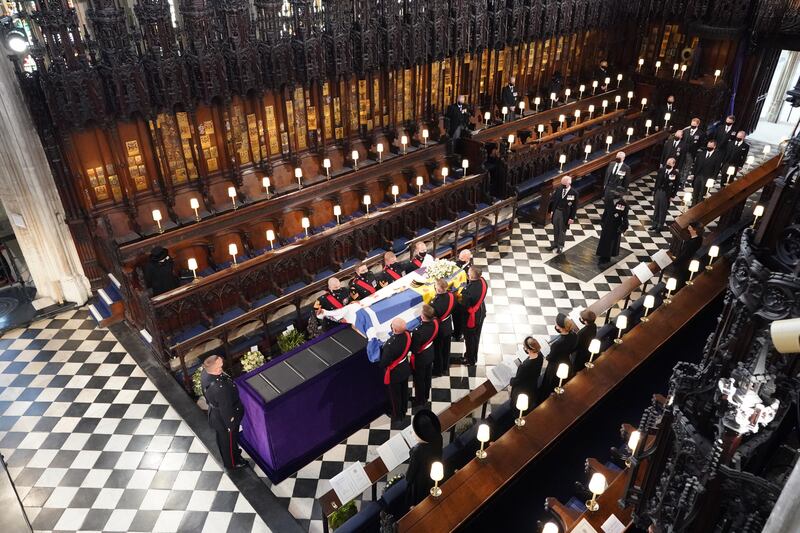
471, 486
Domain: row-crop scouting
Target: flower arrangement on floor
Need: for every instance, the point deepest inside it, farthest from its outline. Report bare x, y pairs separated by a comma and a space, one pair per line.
252, 359
441, 268
290, 339
197, 384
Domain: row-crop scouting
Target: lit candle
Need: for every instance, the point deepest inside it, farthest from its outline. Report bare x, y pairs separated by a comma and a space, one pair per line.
717, 74
404, 142
298, 174
609, 140
675, 68
536, 102
644, 103
694, 268
195, 205
709, 186
540, 130
587, 150
581, 90
550, 527
630, 97
326, 164
487, 117
667, 116
192, 264
750, 160
562, 373
367, 201
672, 284
658, 66
337, 212
157, 218
425, 137
354, 155
561, 160
687, 199
633, 442
271, 238
597, 486
604, 105
232, 196
437, 474
465, 165
619, 80
606, 82
265, 183
713, 253
617, 100
629, 132
233, 251
577, 116
567, 93
622, 324
731, 171
510, 139
758, 212
395, 192
379, 149
648, 124
591, 110
306, 224
683, 69
483, 437
594, 349
641, 64
553, 98
649, 303
445, 172
767, 149
522, 406
521, 108
561, 120
594, 86
419, 184
504, 112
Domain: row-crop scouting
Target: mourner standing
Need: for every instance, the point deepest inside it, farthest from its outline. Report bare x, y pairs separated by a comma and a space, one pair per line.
560, 351
667, 184
707, 165
396, 366
695, 139
564, 206
509, 98
725, 132
225, 410
738, 150
428, 430
615, 223
444, 303
423, 354
472, 298
674, 147
458, 118
617, 179
526, 380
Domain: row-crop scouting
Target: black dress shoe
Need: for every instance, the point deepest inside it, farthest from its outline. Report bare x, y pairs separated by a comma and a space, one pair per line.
239, 466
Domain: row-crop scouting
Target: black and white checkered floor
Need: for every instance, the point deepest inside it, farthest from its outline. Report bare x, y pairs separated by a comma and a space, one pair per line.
92, 445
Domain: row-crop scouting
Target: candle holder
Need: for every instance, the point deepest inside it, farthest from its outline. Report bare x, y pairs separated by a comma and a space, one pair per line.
581, 90
629, 132
594, 349
337, 212
630, 98
504, 112
617, 100
667, 116
619, 80
609, 141
622, 324
404, 142
395, 192
561, 373
437, 474
658, 66
445, 173
521, 405
648, 124
644, 103
717, 74
648, 304
306, 224
233, 250
587, 150
536, 102
561, 160
591, 111
425, 137
633, 443
594, 87
420, 181
521, 109
194, 203
367, 201
354, 155
597, 486
694, 268
379, 149
640, 64
713, 253
483, 438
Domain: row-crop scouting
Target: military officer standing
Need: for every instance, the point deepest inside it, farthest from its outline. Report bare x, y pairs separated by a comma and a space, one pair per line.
666, 187
617, 179
396, 366
564, 206
444, 304
225, 410
422, 354
472, 298
674, 147
510, 97
695, 139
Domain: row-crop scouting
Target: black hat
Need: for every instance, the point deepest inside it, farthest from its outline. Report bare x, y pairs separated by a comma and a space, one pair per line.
561, 320
426, 425
158, 253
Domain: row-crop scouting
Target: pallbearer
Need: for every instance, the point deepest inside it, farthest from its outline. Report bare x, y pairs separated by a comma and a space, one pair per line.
667, 184
396, 366
564, 206
444, 303
334, 298
420, 251
392, 269
464, 261
225, 410
472, 298
363, 283
422, 354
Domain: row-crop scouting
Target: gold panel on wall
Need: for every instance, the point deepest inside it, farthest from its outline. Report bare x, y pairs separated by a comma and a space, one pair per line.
407, 102
300, 118
326, 110
376, 100
272, 130
134, 161
173, 147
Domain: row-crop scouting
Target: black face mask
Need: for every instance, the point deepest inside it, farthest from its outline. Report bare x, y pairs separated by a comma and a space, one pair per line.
729, 123
620, 160
421, 254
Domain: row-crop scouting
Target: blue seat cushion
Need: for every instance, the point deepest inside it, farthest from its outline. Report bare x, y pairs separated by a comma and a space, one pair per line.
188, 333
376, 251
206, 271
462, 214
444, 249
442, 223
399, 244
230, 314
423, 231
464, 240
296, 286
323, 274
350, 262
529, 186
264, 300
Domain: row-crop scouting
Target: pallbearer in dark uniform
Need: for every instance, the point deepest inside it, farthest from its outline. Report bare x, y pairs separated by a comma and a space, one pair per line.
464, 261
428, 430
738, 151
363, 283
422, 354
526, 380
444, 303
392, 269
225, 410
334, 298
457, 116
585, 335
615, 223
420, 251
707, 164
472, 298
667, 184
509, 98
564, 206
617, 179
674, 147
560, 351
396, 365
695, 139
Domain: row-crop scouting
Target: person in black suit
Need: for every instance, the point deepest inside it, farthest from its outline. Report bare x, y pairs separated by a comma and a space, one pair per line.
668, 107
335, 297
695, 139
560, 351
363, 283
444, 303
706, 165
556, 86
422, 354
680, 264
585, 335
428, 430
473, 299
526, 381
225, 410
457, 116
738, 150
601, 73
159, 271
724, 133
673, 147
616, 181
668, 181
614, 224
396, 366
509, 98
564, 206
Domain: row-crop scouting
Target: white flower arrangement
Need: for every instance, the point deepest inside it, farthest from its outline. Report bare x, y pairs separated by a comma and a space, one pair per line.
252, 360
441, 268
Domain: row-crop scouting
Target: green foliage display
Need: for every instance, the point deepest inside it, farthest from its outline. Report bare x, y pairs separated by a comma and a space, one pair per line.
196, 384
342, 515
290, 339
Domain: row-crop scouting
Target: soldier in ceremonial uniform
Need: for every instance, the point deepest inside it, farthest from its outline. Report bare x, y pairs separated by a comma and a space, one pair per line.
363, 283
422, 354
464, 261
444, 304
396, 365
564, 206
509, 98
695, 139
667, 183
615, 223
560, 351
617, 179
420, 251
335, 297
738, 151
392, 269
674, 147
428, 430
457, 116
472, 298
225, 410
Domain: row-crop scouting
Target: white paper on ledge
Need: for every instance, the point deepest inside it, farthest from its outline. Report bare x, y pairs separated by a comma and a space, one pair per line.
409, 436
583, 527
393, 452
642, 271
350, 482
500, 375
612, 525
544, 342
575, 315
662, 259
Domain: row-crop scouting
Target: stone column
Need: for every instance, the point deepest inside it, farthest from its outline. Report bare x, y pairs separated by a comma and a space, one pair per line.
30, 198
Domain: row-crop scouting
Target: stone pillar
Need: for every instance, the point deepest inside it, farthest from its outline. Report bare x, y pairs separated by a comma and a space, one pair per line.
30, 198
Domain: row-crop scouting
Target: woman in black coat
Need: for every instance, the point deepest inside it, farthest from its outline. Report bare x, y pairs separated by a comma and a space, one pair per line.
614, 224
526, 381
560, 351
429, 450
